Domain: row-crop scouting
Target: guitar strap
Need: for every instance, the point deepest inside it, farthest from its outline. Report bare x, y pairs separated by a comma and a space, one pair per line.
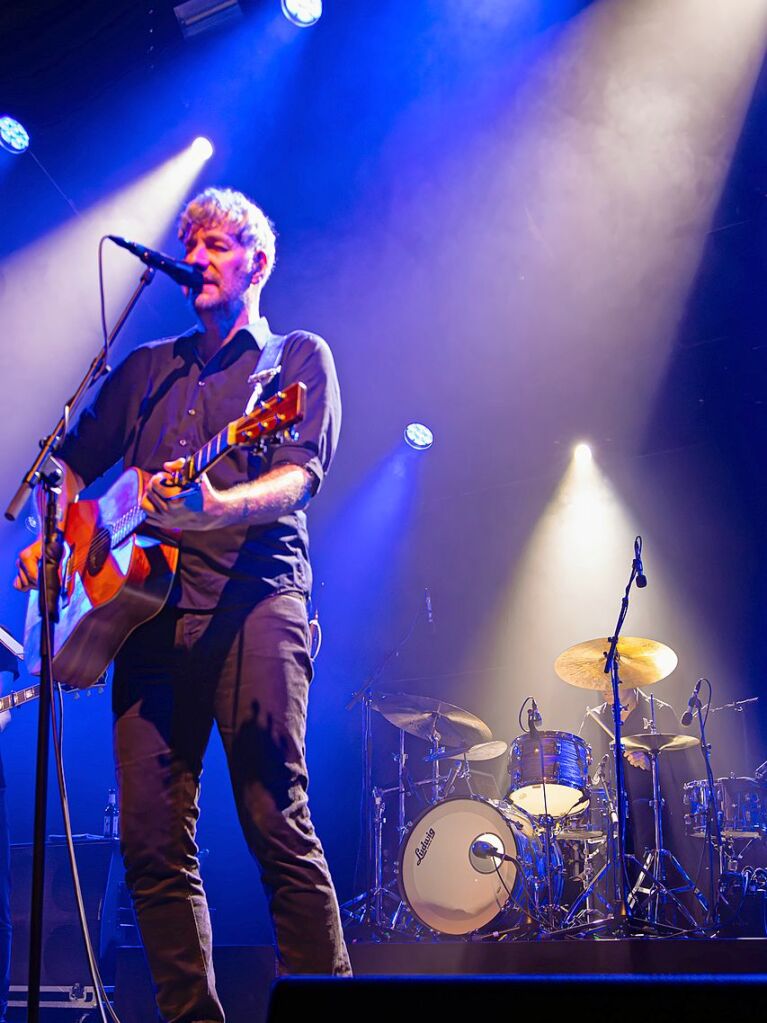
267, 370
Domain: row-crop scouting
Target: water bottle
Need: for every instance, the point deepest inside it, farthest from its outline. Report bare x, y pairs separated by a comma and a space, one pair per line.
111, 816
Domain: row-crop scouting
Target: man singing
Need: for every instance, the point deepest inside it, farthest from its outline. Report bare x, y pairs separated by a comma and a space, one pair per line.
232, 643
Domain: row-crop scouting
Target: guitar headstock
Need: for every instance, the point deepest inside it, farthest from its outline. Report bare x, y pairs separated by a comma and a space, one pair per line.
270, 417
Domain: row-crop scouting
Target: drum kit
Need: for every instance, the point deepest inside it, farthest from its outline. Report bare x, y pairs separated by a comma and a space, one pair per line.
543, 858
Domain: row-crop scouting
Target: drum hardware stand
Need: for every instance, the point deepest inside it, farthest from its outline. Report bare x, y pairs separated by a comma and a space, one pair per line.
366, 901
715, 844
533, 720
654, 864
367, 907
591, 880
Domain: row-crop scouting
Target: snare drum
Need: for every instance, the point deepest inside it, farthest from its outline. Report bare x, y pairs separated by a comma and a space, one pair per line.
589, 821
740, 802
557, 760
453, 891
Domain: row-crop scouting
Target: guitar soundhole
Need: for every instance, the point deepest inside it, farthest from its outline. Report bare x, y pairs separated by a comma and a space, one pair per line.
98, 552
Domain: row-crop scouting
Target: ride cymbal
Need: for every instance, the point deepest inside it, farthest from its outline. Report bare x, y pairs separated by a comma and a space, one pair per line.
641, 662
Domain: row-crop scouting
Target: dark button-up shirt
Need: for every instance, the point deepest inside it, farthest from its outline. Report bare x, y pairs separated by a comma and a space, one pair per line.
164, 402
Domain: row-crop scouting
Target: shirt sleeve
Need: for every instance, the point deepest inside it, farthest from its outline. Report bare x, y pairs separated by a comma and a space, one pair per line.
308, 358
101, 433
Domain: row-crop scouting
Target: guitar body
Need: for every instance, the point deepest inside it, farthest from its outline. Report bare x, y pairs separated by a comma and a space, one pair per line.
107, 592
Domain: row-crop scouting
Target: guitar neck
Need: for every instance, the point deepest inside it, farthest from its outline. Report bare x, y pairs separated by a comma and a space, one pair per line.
274, 416
208, 455
17, 697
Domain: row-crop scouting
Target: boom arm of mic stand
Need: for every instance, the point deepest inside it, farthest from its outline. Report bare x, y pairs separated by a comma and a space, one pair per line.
95, 370
49, 588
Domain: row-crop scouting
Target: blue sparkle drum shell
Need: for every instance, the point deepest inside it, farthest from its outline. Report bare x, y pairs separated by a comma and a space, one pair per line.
549, 773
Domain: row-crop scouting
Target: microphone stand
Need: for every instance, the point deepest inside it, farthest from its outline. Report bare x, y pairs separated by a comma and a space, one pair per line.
612, 666
714, 824
50, 585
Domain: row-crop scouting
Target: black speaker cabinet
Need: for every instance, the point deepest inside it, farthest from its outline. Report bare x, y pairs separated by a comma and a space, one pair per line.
102, 880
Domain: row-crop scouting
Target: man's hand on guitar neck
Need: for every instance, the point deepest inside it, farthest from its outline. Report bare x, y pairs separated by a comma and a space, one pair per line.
195, 506
28, 560
200, 507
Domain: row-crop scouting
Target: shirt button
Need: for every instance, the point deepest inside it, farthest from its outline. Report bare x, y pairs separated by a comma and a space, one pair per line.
191, 412
182, 443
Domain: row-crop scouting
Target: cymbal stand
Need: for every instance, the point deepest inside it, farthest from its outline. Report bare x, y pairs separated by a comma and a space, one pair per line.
362, 907
658, 893
434, 755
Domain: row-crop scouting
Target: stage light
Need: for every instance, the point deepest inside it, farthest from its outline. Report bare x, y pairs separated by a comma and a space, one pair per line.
197, 16
302, 13
418, 436
202, 147
13, 135
582, 453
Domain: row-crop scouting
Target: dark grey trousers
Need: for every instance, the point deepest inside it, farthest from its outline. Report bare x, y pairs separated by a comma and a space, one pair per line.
249, 671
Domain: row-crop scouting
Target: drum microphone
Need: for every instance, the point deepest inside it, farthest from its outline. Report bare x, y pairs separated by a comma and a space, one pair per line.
692, 703
179, 271
638, 566
487, 851
534, 717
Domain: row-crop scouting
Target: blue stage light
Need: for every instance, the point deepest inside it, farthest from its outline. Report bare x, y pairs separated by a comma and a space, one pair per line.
13, 136
202, 147
418, 436
302, 13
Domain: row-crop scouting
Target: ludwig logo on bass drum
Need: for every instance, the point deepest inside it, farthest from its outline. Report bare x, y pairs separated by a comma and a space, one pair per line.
423, 848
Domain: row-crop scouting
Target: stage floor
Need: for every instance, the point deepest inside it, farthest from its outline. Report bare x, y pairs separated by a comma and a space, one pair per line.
245, 973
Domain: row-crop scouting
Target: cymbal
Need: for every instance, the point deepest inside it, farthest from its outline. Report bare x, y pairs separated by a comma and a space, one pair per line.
475, 754
648, 742
426, 717
641, 662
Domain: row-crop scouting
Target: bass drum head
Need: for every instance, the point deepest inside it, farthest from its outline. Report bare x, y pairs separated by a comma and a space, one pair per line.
447, 887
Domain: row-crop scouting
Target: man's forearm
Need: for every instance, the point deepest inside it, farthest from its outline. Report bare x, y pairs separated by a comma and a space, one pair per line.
283, 490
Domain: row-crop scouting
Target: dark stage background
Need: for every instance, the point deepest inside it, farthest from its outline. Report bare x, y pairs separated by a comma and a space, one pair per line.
523, 223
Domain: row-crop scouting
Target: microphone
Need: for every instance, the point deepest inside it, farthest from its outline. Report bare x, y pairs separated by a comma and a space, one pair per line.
487, 851
178, 271
429, 608
692, 703
534, 717
638, 566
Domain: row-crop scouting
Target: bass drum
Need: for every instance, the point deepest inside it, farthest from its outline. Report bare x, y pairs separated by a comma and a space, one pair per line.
451, 890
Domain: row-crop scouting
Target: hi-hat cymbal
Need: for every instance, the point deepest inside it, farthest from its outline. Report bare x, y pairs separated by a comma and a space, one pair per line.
648, 742
429, 718
475, 754
641, 662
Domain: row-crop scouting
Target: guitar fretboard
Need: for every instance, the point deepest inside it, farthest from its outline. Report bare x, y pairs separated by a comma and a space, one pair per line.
216, 448
17, 697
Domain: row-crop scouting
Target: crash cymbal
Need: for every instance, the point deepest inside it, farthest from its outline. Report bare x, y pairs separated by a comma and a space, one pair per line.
426, 717
648, 742
641, 662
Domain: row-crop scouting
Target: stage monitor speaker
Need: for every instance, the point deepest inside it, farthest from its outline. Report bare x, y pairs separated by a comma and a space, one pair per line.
102, 880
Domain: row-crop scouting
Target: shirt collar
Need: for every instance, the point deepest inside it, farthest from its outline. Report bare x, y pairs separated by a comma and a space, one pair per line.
259, 330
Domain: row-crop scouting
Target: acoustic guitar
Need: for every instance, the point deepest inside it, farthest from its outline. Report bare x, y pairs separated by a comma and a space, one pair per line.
114, 576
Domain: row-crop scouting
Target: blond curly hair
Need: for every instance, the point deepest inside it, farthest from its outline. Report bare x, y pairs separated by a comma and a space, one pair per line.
225, 207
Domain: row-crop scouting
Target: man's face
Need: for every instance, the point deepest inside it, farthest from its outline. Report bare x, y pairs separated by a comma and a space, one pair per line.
227, 266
